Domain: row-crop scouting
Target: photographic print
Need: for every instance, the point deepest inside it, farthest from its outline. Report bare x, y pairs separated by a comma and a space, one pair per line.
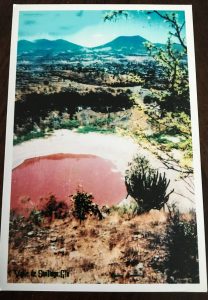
102, 182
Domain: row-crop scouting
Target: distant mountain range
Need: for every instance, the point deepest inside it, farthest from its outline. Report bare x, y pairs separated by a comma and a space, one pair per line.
47, 45
123, 45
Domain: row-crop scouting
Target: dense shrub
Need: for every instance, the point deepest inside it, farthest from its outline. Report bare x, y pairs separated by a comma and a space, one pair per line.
147, 186
36, 217
83, 206
28, 136
36, 106
149, 99
181, 242
55, 209
69, 124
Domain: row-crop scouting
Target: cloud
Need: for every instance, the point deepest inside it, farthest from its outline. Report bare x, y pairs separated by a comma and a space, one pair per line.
29, 22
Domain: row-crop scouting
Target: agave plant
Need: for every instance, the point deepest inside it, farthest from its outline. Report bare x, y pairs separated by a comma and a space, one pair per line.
147, 186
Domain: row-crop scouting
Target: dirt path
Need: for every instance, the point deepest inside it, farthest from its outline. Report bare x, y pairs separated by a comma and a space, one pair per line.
119, 150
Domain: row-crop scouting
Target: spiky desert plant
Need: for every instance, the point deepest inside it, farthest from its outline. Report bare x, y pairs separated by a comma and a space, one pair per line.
147, 186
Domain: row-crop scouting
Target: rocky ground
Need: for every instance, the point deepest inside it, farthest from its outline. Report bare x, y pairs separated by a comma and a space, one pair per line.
117, 249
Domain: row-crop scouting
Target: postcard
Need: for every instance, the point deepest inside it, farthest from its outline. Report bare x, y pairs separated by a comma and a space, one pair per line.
102, 181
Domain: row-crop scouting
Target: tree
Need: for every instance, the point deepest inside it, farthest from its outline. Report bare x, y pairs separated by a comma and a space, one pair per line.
55, 209
115, 14
172, 58
174, 94
168, 103
172, 20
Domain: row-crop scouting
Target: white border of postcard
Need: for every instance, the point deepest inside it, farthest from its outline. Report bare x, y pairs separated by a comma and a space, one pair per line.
200, 287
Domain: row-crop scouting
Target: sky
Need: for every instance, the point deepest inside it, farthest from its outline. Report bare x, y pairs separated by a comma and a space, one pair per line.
88, 28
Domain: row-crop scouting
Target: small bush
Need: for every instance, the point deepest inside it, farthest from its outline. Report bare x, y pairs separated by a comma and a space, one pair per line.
36, 217
181, 242
83, 206
28, 136
87, 265
102, 121
54, 208
149, 99
69, 123
131, 257
147, 186
91, 128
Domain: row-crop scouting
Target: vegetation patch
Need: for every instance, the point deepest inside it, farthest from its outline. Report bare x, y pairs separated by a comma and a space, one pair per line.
28, 136
154, 247
88, 128
147, 186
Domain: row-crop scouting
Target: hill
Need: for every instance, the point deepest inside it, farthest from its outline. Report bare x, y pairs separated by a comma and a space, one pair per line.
55, 46
125, 44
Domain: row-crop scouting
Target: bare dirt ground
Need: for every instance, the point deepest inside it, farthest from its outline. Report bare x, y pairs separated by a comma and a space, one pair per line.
117, 249
119, 150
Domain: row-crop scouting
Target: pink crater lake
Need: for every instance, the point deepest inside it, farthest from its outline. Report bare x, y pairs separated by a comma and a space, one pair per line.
62, 175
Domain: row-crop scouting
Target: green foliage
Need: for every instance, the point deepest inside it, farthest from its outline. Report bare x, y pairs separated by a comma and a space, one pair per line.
174, 94
176, 123
69, 123
149, 99
91, 128
147, 186
168, 104
83, 206
36, 217
15, 220
128, 210
170, 124
181, 242
132, 78
99, 122
54, 208
55, 121
28, 136
162, 139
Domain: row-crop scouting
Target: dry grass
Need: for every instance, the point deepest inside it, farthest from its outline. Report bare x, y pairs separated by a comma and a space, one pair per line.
116, 249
